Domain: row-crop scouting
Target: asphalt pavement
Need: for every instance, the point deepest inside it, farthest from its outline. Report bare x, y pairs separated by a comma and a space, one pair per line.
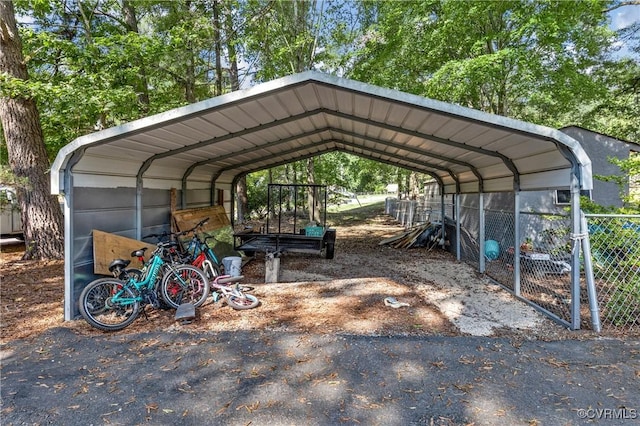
282, 378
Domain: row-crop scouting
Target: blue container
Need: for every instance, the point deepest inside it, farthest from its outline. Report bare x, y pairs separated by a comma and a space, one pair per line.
314, 231
491, 249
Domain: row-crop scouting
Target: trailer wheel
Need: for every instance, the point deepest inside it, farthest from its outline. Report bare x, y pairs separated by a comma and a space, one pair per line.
328, 251
329, 243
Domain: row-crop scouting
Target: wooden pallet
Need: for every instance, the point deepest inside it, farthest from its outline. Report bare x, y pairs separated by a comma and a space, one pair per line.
187, 219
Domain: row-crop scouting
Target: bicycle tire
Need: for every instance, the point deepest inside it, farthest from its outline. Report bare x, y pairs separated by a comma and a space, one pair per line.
96, 309
245, 301
185, 284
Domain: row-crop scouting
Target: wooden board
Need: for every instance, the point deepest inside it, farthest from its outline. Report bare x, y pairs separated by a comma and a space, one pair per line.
218, 226
107, 247
187, 219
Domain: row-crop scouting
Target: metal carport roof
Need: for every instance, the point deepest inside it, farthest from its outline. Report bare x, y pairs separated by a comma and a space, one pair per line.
120, 180
212, 142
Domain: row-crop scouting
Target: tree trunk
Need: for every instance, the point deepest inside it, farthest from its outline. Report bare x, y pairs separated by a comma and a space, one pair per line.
217, 43
312, 194
231, 48
141, 84
42, 220
243, 200
241, 187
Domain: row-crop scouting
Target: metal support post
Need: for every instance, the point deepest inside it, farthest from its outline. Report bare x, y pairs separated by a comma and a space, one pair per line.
516, 245
575, 254
458, 243
481, 233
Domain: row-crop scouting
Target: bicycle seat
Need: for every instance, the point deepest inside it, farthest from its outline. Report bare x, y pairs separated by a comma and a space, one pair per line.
139, 253
168, 244
118, 264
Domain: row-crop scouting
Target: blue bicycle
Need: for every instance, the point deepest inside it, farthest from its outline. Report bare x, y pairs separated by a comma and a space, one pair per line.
111, 304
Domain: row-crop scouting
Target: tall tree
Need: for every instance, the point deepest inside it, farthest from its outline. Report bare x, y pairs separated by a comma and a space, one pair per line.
141, 83
530, 60
285, 41
41, 213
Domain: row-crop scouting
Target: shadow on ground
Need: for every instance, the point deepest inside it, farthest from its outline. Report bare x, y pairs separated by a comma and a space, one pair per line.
273, 378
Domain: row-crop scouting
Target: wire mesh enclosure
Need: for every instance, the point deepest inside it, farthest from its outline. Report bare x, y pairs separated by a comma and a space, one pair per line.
293, 208
545, 259
538, 267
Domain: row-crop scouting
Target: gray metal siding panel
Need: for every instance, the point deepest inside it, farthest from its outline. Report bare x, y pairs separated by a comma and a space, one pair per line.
600, 148
111, 210
198, 198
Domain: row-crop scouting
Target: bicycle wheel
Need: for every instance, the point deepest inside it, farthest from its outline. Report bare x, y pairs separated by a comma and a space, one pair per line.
185, 284
98, 309
243, 301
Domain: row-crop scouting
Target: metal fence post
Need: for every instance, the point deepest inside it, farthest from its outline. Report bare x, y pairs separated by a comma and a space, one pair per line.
575, 254
442, 216
588, 271
481, 230
458, 234
516, 245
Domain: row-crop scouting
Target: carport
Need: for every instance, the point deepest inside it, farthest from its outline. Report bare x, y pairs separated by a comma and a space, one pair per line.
119, 180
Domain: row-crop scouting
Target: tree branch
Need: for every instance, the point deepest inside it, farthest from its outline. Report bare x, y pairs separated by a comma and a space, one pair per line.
622, 4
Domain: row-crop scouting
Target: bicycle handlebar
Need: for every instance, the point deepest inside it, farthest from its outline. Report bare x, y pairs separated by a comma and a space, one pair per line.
166, 234
198, 225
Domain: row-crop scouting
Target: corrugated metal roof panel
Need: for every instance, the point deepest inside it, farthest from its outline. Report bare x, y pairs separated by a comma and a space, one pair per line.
310, 113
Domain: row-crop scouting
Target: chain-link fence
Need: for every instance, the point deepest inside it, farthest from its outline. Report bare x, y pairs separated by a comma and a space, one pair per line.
545, 249
545, 259
615, 251
416, 212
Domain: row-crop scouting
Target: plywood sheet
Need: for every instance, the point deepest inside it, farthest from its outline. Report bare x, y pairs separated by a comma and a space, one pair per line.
107, 247
187, 219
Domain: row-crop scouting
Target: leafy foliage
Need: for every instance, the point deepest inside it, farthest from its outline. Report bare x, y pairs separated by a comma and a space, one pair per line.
550, 63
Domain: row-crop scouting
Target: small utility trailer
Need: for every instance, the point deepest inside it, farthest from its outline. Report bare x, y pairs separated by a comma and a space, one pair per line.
296, 223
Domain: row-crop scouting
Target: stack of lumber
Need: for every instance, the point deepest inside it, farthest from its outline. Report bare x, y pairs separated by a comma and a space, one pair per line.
407, 238
427, 235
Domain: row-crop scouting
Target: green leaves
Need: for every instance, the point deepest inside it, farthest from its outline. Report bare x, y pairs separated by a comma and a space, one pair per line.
538, 61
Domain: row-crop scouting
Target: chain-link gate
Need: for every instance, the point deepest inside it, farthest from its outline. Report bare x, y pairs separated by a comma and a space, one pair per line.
545, 259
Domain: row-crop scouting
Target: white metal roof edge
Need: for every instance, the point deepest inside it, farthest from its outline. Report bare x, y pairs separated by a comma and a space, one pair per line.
180, 113
503, 122
152, 121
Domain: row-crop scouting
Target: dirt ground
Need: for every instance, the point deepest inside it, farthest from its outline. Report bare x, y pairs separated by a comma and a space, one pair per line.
342, 295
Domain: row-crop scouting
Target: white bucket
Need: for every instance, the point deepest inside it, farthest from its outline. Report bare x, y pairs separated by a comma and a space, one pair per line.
232, 266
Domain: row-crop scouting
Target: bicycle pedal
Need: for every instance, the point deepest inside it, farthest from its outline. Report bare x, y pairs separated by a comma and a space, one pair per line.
185, 313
